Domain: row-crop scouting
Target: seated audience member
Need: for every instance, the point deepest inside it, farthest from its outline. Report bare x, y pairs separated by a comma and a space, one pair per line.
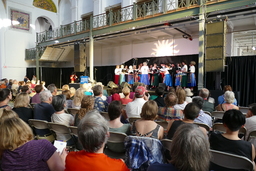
21, 84
159, 100
133, 109
221, 99
189, 94
2, 85
229, 142
229, 97
189, 151
169, 112
191, 111
15, 85
104, 92
9, 86
87, 105
44, 111
99, 104
87, 89
21, 107
115, 95
53, 89
21, 152
93, 134
25, 89
181, 94
250, 123
36, 97
146, 126
126, 99
207, 106
43, 85
65, 87
5, 97
67, 94
73, 92
202, 117
78, 98
59, 103
115, 124
33, 84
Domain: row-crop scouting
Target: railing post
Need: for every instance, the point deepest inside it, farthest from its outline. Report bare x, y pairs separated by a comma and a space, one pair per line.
187, 3
134, 14
164, 6
75, 27
110, 17
144, 9
61, 31
37, 62
153, 7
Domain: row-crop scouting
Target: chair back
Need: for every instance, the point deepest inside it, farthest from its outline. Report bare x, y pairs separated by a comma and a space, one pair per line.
164, 124
205, 126
116, 137
59, 128
208, 113
38, 124
72, 111
133, 119
244, 110
243, 131
166, 144
218, 114
105, 115
251, 134
231, 161
219, 127
73, 130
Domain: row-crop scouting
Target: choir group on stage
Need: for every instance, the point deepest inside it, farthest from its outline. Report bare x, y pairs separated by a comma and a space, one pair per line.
170, 74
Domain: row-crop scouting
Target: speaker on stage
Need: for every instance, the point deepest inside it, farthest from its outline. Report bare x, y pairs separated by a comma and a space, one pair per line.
215, 46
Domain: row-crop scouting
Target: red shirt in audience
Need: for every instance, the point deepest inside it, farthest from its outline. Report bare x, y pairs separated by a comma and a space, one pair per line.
82, 160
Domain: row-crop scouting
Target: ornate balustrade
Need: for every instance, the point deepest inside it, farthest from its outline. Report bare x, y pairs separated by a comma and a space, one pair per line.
133, 12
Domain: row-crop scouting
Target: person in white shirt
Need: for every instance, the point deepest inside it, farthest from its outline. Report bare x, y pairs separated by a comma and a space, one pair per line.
133, 109
184, 71
59, 104
250, 123
144, 74
192, 77
117, 74
167, 77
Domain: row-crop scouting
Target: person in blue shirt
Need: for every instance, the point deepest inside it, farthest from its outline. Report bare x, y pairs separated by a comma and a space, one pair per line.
221, 99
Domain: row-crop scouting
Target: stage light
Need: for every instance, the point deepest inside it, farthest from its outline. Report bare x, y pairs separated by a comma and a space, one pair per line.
253, 48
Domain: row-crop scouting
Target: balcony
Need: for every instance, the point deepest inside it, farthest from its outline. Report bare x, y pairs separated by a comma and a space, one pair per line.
127, 14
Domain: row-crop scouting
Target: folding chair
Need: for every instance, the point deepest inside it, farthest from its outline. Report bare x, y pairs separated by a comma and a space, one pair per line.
203, 125
40, 124
217, 114
115, 145
133, 119
220, 127
166, 144
164, 124
244, 110
72, 111
105, 115
209, 113
230, 161
73, 130
252, 134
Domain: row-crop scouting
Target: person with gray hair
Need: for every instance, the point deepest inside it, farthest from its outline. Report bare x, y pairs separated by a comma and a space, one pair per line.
202, 117
208, 102
229, 98
53, 89
44, 111
60, 117
93, 134
189, 151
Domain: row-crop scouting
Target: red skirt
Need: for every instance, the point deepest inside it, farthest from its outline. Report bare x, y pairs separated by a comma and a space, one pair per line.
116, 79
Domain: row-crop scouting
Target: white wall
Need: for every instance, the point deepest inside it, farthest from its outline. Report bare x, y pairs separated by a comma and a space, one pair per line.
65, 12
13, 42
127, 2
85, 7
119, 53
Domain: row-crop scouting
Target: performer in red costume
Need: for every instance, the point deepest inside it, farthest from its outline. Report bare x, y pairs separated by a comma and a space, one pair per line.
73, 77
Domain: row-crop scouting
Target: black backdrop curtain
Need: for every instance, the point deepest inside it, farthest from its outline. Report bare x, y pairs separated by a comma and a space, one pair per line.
240, 73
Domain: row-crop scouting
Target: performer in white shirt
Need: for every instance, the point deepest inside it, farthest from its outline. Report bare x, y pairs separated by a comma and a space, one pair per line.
144, 74
168, 77
192, 77
117, 74
184, 71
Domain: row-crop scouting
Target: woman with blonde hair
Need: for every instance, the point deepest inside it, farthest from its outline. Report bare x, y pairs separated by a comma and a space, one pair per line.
78, 98
126, 99
21, 152
181, 94
22, 107
146, 126
87, 104
65, 87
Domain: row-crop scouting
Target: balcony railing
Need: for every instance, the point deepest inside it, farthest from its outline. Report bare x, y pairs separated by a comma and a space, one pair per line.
132, 12
30, 54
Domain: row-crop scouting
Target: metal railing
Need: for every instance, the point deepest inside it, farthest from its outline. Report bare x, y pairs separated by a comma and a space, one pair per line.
30, 54
132, 12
